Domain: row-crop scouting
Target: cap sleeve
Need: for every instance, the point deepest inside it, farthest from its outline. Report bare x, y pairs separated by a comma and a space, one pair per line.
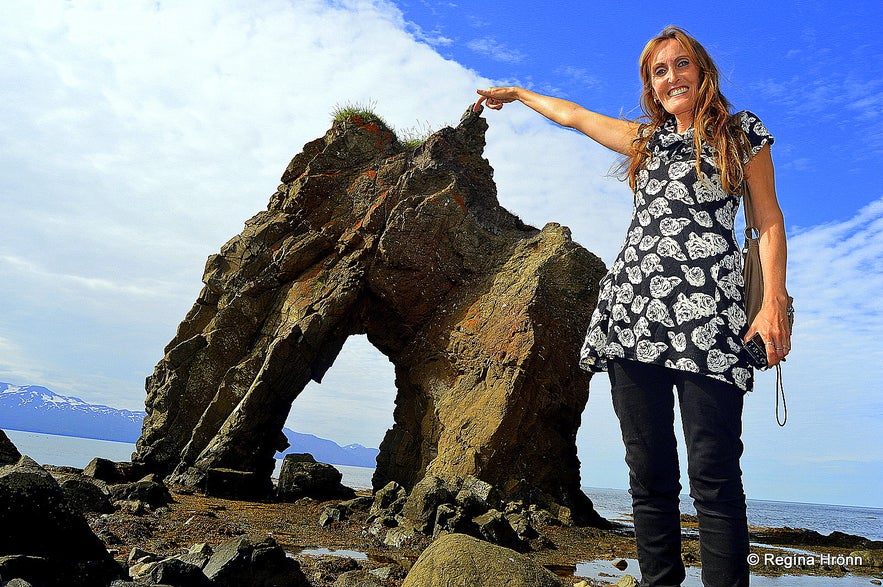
756, 131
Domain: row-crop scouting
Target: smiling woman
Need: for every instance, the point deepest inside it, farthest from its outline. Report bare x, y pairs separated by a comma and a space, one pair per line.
670, 314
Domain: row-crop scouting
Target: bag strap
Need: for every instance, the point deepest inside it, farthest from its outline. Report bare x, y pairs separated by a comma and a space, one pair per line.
780, 390
751, 231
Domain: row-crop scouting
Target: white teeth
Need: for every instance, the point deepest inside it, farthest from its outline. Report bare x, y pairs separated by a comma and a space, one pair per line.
677, 92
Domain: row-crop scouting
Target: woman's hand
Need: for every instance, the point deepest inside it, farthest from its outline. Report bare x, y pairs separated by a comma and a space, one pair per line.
496, 97
772, 324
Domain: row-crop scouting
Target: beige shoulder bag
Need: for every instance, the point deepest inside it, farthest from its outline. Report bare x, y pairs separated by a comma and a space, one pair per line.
752, 275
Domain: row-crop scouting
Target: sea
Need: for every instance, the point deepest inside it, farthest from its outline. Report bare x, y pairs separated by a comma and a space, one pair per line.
613, 504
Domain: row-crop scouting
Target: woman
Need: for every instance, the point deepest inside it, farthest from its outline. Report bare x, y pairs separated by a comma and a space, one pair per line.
670, 313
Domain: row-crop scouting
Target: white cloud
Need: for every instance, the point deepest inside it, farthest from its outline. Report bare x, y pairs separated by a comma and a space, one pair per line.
495, 50
138, 137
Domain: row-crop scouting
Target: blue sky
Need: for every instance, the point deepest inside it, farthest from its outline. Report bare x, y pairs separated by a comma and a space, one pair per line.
136, 138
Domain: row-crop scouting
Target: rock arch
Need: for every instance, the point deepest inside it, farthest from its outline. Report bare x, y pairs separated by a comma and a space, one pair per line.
481, 315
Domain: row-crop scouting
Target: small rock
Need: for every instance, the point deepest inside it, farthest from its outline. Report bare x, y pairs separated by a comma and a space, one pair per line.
255, 561
141, 570
109, 538
398, 537
134, 507
358, 504
149, 491
173, 571
869, 558
495, 528
331, 513
139, 555
621, 564
383, 572
477, 496
198, 554
357, 579
237, 484
388, 500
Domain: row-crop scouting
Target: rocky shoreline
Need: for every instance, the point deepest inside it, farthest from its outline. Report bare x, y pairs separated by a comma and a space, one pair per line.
93, 527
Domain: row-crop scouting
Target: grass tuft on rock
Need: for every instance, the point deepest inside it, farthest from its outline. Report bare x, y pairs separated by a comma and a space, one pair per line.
408, 139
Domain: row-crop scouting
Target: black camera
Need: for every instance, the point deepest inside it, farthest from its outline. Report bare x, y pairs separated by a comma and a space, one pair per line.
756, 349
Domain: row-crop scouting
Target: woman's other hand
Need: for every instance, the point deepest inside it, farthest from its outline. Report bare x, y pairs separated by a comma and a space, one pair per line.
772, 324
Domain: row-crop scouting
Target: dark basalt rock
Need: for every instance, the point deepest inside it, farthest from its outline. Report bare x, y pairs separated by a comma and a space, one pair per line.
481, 315
43, 538
8, 452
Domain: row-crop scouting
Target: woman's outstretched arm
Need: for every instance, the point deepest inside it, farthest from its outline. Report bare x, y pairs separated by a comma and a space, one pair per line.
613, 133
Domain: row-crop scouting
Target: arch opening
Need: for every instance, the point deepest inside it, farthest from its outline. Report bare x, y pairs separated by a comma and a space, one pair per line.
343, 419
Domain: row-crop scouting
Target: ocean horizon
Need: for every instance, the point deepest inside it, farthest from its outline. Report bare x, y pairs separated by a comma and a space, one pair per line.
611, 503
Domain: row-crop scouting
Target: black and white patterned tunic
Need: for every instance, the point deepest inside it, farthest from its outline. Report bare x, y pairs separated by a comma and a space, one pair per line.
673, 297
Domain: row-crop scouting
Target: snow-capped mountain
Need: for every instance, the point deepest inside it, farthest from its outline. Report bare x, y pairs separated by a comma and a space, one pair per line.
327, 451
32, 408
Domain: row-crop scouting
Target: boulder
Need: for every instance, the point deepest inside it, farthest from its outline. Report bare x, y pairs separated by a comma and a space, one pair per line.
450, 519
457, 559
332, 513
148, 491
9, 454
255, 561
198, 554
481, 315
85, 495
494, 527
477, 496
388, 500
114, 472
234, 484
174, 571
301, 477
43, 538
421, 504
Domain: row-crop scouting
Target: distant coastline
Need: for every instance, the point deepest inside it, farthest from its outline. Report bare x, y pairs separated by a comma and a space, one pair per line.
33, 408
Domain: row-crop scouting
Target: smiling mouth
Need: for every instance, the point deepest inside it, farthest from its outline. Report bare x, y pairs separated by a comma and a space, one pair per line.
677, 91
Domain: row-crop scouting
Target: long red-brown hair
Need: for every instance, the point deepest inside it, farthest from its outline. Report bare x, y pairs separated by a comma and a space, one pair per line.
712, 122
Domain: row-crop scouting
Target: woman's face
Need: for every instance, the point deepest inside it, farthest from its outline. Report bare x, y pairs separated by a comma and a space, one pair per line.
675, 79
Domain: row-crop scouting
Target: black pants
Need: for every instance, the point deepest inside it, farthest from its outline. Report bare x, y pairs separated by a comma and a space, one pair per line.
711, 413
